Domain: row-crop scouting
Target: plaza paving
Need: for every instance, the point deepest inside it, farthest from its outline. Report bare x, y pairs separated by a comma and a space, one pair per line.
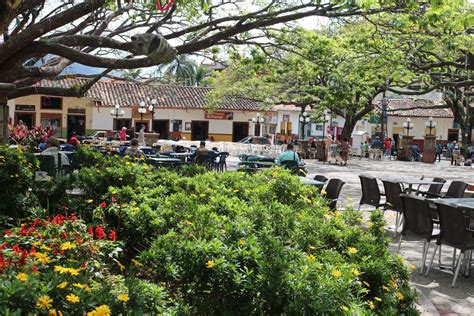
436, 294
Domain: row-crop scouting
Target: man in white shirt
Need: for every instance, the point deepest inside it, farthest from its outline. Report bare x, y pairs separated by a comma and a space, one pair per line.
52, 149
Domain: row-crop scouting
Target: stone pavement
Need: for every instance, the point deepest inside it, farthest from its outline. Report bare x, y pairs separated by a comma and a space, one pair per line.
436, 297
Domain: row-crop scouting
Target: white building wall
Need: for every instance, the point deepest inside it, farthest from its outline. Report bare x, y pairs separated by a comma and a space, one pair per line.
418, 131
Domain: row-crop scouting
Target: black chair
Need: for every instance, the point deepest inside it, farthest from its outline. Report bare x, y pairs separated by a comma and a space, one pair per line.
393, 201
320, 177
47, 164
371, 194
221, 164
291, 165
455, 232
418, 221
204, 160
434, 189
333, 189
456, 189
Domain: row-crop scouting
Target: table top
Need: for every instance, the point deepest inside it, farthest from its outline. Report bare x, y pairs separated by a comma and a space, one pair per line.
160, 159
263, 163
411, 180
461, 202
311, 182
180, 154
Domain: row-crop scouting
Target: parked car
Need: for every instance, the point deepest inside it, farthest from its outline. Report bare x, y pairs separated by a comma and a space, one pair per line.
258, 140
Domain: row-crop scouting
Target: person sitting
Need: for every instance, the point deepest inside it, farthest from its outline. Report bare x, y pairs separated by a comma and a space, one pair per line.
202, 150
288, 154
53, 149
133, 151
415, 150
73, 140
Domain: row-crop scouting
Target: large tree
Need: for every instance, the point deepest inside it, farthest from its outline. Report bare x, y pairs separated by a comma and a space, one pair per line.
41, 37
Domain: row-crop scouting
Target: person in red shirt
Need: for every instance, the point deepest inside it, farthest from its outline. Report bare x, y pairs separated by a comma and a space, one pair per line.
387, 144
73, 140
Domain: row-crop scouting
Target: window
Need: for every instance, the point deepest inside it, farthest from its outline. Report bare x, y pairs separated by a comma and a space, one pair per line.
119, 123
52, 103
318, 127
177, 125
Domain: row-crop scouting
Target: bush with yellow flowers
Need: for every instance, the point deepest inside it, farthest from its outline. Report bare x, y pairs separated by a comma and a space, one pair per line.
60, 266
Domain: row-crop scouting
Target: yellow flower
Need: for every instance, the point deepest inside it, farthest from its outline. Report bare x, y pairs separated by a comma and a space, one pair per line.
63, 270
352, 250
44, 302
336, 273
400, 296
45, 248
73, 298
355, 272
378, 299
68, 245
89, 201
394, 284
62, 285
412, 266
137, 263
371, 305
310, 257
345, 308
42, 257
312, 247
186, 222
23, 277
241, 242
102, 310
323, 192
210, 264
53, 312
366, 283
386, 288
123, 297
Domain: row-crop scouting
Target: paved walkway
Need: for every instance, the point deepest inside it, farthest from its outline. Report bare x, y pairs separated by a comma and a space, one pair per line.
436, 295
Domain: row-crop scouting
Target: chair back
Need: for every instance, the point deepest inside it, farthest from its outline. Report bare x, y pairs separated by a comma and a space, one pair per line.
47, 164
291, 165
436, 188
333, 188
453, 222
370, 191
392, 192
320, 177
416, 215
204, 160
222, 157
456, 189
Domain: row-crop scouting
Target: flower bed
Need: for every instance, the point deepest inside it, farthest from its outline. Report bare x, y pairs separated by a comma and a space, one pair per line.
210, 243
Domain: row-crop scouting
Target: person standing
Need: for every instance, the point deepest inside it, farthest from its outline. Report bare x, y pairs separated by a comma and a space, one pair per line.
345, 147
73, 140
52, 149
141, 136
438, 151
123, 134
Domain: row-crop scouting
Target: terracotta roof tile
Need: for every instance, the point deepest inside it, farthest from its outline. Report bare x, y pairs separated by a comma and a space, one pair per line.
123, 93
415, 108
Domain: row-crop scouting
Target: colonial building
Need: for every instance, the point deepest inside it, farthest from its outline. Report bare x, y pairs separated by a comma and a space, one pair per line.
178, 112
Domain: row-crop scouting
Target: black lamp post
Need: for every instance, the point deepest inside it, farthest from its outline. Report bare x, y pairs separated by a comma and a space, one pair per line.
117, 113
430, 124
142, 111
303, 120
152, 110
408, 125
257, 121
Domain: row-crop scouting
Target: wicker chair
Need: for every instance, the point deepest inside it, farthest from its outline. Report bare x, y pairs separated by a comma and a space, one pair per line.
455, 232
320, 177
333, 189
434, 189
370, 192
418, 221
393, 201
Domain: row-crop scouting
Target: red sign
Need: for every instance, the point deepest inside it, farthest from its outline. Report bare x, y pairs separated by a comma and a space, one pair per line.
165, 7
219, 115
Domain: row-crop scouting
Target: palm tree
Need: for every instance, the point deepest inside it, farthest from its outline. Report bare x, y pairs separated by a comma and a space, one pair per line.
182, 71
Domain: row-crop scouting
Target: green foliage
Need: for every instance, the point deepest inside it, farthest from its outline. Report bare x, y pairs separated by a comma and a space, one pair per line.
17, 169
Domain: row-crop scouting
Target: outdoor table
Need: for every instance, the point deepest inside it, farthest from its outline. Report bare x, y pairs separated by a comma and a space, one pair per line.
307, 181
411, 181
165, 160
460, 202
184, 156
264, 164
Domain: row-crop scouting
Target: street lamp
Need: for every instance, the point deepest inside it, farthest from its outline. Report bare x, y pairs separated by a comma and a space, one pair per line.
117, 113
408, 125
303, 119
151, 109
142, 111
430, 124
257, 121
383, 116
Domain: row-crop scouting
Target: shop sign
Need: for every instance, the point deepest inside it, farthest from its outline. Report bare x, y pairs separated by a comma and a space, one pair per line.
24, 107
219, 115
76, 111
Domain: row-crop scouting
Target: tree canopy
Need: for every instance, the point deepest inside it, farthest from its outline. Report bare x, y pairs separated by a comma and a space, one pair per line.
42, 38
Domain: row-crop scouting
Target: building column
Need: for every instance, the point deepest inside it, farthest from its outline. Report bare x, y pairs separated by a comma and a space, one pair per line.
5, 89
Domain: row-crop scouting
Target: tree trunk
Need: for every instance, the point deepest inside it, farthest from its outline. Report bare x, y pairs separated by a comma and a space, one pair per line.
466, 130
349, 125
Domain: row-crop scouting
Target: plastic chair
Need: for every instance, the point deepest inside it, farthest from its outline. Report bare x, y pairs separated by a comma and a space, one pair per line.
455, 232
435, 189
221, 164
371, 194
393, 201
333, 189
418, 221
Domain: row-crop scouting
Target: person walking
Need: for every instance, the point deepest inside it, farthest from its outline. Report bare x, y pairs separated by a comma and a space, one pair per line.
141, 136
345, 147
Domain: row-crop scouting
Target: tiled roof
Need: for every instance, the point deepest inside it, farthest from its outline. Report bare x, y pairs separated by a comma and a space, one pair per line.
415, 108
123, 93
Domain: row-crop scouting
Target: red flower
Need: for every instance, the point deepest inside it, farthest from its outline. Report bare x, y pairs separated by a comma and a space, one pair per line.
35, 268
112, 235
103, 204
99, 232
113, 200
7, 233
90, 231
64, 235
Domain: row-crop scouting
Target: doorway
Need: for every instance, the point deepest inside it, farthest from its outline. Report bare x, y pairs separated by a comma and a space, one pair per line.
240, 130
453, 134
138, 126
27, 118
199, 130
161, 127
76, 123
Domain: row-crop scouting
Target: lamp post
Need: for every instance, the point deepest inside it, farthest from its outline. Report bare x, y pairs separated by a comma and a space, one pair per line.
383, 116
303, 120
430, 124
408, 125
257, 121
117, 113
152, 110
142, 111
